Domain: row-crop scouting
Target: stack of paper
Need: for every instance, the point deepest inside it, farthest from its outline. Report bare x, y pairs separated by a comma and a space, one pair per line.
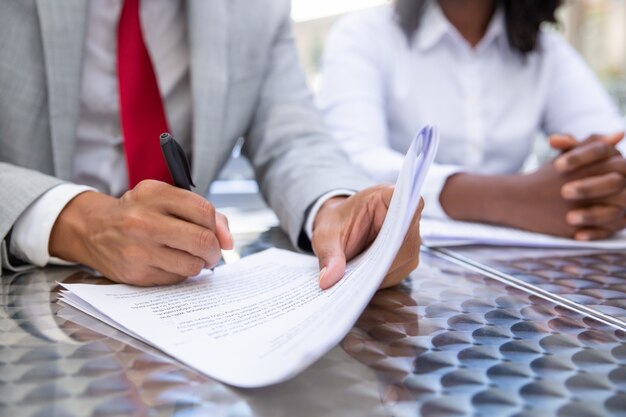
445, 233
263, 319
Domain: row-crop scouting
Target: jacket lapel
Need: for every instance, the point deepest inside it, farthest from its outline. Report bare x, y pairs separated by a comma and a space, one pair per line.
63, 34
208, 41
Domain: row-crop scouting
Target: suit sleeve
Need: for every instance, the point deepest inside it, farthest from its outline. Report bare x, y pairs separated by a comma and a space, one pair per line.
295, 160
19, 188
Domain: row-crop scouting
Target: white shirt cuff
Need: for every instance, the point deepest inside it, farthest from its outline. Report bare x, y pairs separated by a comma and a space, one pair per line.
433, 186
308, 225
31, 232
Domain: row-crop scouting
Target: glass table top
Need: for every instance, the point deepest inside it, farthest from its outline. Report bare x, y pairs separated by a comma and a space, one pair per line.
447, 342
594, 281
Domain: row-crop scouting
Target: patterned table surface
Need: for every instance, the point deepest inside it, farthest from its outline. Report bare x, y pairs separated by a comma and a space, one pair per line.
594, 280
448, 342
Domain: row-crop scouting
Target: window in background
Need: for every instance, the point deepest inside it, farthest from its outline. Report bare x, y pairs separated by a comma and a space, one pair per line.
307, 10
597, 29
312, 21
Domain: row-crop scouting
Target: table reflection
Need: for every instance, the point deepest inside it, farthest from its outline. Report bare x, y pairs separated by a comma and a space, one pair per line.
446, 342
56, 360
592, 279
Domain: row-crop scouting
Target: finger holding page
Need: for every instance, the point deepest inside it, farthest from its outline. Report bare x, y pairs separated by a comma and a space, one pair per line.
327, 243
332, 261
407, 259
344, 227
352, 225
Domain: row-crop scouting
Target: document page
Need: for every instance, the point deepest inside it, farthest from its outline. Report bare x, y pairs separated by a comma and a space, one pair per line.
446, 233
263, 319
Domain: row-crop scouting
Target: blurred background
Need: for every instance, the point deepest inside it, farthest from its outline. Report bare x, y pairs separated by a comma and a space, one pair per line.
596, 28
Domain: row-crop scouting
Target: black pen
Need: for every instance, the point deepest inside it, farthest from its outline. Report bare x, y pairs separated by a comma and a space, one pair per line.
176, 161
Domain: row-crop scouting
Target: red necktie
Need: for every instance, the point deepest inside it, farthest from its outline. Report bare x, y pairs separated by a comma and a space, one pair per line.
141, 108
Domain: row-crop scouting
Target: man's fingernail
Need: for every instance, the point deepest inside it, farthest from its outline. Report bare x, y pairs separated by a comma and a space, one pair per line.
583, 236
322, 273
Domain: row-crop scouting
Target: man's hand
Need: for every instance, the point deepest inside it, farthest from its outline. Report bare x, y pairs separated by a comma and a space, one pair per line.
601, 194
155, 234
345, 227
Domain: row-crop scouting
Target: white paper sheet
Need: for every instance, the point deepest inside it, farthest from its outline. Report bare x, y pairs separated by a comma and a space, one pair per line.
447, 233
263, 319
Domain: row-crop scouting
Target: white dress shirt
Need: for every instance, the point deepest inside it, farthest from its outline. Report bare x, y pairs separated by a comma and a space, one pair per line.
99, 160
488, 101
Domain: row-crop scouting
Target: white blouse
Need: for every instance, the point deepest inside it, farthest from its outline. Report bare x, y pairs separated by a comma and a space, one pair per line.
488, 101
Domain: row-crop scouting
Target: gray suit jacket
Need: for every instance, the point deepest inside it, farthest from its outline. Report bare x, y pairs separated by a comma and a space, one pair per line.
245, 81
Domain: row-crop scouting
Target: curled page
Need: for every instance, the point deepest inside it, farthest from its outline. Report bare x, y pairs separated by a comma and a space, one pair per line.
263, 319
